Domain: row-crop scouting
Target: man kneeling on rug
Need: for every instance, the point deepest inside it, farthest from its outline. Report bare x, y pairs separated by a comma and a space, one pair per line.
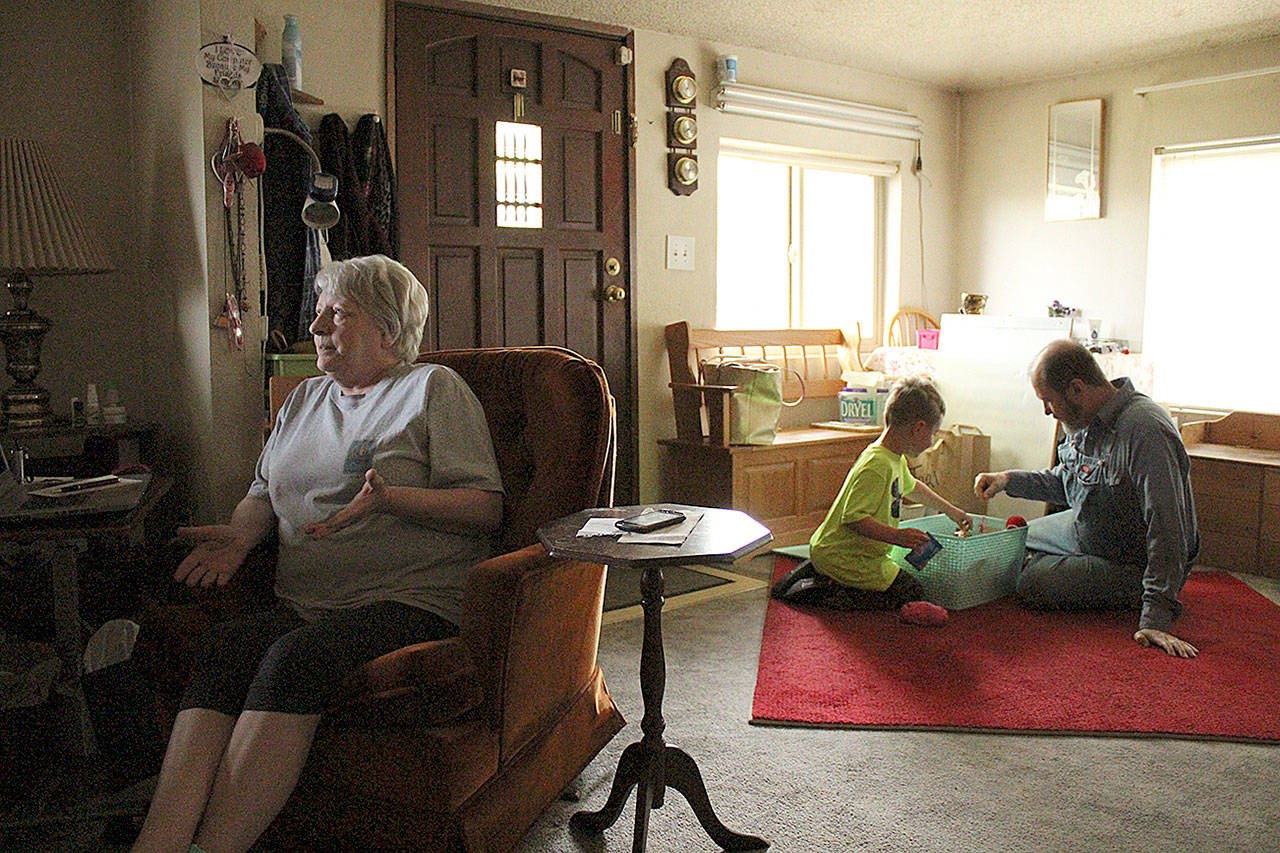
1129, 536
849, 566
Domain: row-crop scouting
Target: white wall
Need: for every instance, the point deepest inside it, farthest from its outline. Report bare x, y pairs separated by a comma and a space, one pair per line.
1004, 246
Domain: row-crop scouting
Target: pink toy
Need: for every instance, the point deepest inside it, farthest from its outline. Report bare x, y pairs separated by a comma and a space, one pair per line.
923, 613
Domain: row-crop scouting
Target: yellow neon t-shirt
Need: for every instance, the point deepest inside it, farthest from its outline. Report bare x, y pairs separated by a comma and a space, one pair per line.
874, 487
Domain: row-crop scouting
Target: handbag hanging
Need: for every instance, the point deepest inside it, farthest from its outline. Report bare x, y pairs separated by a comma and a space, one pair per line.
756, 401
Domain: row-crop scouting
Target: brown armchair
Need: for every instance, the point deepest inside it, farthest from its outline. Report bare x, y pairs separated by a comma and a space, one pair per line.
461, 744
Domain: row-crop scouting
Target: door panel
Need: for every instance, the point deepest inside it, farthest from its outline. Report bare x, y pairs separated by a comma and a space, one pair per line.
515, 286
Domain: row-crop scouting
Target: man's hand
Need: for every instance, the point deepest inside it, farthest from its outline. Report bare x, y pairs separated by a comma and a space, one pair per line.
1171, 644
371, 498
219, 551
988, 485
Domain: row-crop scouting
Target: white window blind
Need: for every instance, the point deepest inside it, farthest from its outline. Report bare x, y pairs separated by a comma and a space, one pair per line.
1213, 276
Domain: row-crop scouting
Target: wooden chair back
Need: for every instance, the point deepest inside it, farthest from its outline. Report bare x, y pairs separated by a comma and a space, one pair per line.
814, 354
905, 324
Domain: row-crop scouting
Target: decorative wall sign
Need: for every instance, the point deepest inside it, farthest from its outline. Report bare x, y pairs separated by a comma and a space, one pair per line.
228, 66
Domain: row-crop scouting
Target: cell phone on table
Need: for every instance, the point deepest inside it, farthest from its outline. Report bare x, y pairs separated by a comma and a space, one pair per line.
650, 520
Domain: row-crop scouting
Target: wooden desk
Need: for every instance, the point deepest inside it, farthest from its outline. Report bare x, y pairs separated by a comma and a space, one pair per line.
788, 485
650, 765
56, 540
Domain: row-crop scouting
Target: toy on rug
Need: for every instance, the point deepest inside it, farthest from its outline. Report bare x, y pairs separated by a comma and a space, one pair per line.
923, 613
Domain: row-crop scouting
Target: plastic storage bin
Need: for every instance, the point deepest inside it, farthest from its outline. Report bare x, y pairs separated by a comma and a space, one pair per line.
292, 364
969, 570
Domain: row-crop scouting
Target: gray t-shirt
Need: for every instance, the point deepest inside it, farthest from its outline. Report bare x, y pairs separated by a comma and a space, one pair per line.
420, 426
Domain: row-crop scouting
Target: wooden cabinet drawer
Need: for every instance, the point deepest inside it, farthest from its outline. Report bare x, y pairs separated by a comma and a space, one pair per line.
1228, 479
1227, 514
1268, 558
1271, 487
1227, 551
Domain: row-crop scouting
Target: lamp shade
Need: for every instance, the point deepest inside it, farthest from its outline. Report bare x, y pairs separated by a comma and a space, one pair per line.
41, 233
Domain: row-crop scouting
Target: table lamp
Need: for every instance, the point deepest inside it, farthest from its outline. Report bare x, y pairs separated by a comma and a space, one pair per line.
41, 233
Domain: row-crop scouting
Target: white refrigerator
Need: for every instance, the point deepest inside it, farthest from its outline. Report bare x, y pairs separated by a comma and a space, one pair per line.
982, 372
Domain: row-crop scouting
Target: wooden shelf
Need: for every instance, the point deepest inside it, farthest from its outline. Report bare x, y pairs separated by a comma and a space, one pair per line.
301, 97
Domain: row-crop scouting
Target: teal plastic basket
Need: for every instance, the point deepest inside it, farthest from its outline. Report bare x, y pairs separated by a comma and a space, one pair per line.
969, 570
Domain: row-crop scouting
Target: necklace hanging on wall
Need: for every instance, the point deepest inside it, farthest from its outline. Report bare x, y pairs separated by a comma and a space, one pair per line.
234, 161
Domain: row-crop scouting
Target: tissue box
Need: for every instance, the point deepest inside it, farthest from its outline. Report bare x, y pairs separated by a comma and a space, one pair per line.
862, 405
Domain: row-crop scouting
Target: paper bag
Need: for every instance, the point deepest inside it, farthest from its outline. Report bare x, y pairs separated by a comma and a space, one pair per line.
949, 467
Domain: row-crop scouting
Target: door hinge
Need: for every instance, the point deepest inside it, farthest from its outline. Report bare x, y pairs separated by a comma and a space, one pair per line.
623, 55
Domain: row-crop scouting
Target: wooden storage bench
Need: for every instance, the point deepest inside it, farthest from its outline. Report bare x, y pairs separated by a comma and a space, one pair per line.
1235, 476
787, 485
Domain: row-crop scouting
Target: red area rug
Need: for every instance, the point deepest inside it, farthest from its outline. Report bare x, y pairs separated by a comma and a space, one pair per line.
1001, 667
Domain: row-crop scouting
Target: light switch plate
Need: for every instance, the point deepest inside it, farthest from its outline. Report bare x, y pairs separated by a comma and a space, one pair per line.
679, 252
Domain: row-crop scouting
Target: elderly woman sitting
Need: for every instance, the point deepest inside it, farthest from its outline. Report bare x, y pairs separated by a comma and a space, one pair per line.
381, 482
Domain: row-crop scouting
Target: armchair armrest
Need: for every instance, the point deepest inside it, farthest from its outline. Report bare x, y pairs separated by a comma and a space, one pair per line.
424, 684
532, 624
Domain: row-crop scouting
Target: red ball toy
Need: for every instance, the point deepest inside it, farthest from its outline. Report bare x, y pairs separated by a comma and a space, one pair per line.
1015, 521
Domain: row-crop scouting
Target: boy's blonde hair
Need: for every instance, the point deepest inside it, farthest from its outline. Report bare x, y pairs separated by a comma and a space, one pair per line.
911, 399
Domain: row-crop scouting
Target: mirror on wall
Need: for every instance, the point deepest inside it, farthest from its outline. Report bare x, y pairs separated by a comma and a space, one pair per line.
1075, 161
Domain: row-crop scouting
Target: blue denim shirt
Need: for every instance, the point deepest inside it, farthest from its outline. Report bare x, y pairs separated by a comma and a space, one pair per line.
1128, 477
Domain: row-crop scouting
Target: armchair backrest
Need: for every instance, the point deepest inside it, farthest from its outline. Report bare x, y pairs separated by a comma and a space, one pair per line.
551, 419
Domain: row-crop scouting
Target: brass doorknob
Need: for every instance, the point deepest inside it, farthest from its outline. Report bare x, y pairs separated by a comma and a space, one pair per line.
614, 293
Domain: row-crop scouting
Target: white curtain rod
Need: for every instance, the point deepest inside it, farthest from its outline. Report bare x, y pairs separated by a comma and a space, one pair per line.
1201, 81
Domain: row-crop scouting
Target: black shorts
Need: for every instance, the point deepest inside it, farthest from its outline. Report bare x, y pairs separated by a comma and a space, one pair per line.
276, 661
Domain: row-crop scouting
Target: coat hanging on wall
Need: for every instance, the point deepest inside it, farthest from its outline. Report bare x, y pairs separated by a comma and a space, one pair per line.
284, 189
358, 232
373, 164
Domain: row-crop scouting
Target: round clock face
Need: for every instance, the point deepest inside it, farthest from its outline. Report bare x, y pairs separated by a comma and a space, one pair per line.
683, 89
685, 129
687, 170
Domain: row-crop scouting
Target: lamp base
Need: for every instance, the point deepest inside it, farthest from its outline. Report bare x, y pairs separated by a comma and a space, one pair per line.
26, 407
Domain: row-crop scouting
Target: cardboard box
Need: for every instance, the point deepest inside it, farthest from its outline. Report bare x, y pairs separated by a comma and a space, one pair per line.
863, 405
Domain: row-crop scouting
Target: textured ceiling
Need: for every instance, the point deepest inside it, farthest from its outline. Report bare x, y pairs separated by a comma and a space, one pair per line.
954, 44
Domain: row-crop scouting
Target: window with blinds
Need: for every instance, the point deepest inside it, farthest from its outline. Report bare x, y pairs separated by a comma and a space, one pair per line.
1213, 275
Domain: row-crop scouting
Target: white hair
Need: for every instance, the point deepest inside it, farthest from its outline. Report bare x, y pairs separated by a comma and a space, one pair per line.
393, 297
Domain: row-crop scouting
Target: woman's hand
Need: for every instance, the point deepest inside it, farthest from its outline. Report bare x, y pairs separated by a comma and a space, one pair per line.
219, 552
372, 498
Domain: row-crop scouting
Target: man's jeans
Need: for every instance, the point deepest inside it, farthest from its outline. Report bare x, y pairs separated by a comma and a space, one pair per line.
1056, 576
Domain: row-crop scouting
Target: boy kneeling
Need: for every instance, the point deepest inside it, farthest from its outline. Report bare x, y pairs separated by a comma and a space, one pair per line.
849, 566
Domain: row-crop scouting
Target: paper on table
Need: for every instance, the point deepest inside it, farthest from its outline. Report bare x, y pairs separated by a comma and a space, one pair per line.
674, 535
599, 527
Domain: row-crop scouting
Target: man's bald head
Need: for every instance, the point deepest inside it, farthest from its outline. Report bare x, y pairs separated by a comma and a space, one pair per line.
1063, 361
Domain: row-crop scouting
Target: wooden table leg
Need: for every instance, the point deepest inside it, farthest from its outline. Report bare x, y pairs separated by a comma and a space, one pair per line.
649, 764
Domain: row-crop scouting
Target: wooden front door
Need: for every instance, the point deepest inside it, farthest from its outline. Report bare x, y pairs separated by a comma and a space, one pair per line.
513, 147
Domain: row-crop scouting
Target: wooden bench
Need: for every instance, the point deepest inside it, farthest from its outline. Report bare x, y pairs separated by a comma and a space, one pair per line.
787, 485
1235, 476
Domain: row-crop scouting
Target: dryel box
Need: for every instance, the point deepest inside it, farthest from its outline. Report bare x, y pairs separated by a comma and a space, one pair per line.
863, 405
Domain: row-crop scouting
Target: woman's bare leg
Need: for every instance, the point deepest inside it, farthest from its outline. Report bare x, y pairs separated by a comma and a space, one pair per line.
258, 773
196, 745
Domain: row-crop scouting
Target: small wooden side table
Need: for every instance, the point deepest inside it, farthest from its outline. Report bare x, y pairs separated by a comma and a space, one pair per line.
59, 534
650, 764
